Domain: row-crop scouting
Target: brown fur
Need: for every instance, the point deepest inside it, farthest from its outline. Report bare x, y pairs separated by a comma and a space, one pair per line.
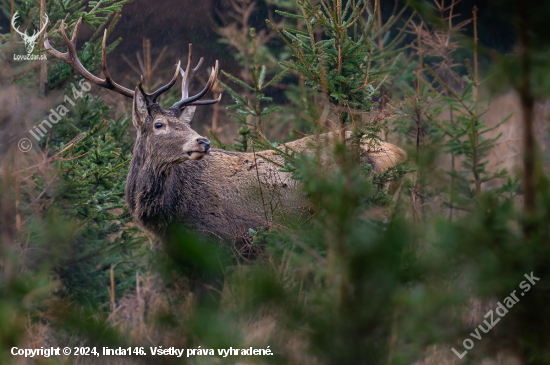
171, 181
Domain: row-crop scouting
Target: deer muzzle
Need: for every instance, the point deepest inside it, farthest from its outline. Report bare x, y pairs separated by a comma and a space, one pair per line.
201, 148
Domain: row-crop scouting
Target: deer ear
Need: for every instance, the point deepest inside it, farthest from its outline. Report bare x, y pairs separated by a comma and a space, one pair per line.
139, 111
187, 114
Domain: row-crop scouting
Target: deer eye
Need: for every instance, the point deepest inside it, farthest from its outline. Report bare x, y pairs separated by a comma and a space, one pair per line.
159, 125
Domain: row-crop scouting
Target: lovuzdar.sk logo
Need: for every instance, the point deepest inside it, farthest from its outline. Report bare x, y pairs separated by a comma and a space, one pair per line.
29, 40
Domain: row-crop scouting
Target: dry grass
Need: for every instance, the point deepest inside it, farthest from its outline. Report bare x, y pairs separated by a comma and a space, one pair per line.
136, 318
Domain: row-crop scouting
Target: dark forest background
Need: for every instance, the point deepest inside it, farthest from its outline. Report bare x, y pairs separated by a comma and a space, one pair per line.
176, 23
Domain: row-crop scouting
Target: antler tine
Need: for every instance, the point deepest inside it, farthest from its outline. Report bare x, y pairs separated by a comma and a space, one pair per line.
140, 86
212, 82
194, 100
67, 56
109, 83
208, 102
166, 87
187, 75
209, 85
75, 30
71, 58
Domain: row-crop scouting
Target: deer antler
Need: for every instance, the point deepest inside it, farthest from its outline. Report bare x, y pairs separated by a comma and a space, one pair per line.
187, 75
71, 58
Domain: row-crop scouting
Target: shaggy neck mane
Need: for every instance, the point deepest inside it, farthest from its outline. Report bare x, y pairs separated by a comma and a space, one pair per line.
150, 191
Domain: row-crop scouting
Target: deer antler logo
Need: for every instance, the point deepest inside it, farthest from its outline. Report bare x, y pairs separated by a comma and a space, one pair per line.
30, 41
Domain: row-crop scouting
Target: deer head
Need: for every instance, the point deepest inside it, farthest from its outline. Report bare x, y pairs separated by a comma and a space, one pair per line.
30, 41
164, 135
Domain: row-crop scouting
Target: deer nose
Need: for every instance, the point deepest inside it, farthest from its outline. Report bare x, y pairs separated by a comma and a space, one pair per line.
204, 143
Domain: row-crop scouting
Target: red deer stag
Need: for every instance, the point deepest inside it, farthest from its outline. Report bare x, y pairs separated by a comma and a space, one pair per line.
175, 177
